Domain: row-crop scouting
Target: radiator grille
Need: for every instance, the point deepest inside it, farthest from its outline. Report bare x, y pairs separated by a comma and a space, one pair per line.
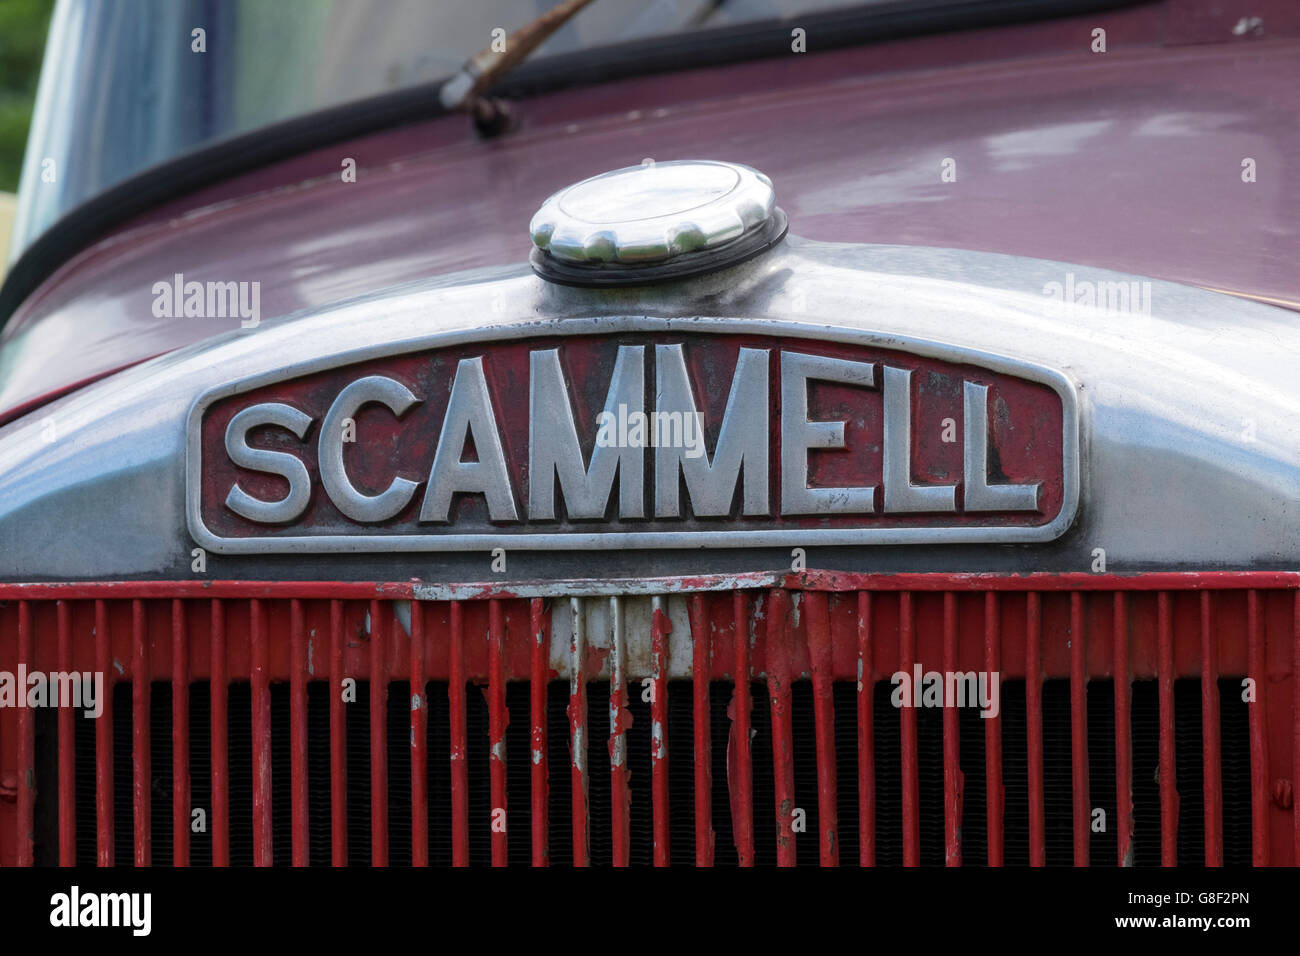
251, 689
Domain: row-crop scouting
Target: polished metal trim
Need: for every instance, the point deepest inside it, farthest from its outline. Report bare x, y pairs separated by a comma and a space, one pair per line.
579, 540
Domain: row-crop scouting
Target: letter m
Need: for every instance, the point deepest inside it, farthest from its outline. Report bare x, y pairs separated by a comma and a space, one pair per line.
1113, 297
743, 438
553, 447
223, 299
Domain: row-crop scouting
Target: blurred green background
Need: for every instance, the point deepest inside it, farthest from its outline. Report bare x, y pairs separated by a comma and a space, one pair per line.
22, 43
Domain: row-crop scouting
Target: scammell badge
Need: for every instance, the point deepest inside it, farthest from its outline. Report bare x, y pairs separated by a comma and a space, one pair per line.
656, 222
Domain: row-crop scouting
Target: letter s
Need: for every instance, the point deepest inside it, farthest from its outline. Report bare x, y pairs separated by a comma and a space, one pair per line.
287, 466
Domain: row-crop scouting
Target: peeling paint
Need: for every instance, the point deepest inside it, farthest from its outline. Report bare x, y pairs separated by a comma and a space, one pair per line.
579, 750
658, 747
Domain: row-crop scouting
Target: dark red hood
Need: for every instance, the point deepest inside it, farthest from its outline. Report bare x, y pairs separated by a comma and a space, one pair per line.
1129, 160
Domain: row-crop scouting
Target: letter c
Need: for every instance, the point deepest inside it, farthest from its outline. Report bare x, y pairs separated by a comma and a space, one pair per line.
357, 506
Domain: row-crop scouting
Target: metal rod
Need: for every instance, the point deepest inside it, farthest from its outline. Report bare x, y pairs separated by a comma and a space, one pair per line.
620, 802
497, 720
701, 665
1210, 754
578, 732
1082, 814
298, 733
817, 608
1295, 732
419, 742
778, 690
104, 740
218, 727
338, 743
1034, 726
26, 746
1259, 775
866, 742
378, 734
742, 787
539, 628
67, 747
1168, 783
1123, 734
952, 776
994, 802
909, 781
140, 757
263, 834
180, 736
459, 770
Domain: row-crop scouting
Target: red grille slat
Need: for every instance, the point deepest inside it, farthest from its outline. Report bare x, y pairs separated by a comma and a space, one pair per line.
419, 744
378, 735
1034, 725
298, 732
1123, 733
778, 689
952, 776
660, 627
866, 742
993, 733
338, 734
1295, 732
459, 770
1259, 776
578, 733
1143, 645
26, 782
742, 787
1210, 763
819, 652
180, 736
701, 670
1079, 730
261, 693
539, 660
497, 720
907, 721
140, 757
67, 782
219, 727
104, 742
1168, 783
618, 716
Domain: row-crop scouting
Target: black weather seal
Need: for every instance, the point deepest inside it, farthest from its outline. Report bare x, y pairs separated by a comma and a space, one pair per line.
87, 223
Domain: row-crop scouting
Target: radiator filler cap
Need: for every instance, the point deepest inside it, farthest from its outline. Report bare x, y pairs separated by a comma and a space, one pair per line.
656, 222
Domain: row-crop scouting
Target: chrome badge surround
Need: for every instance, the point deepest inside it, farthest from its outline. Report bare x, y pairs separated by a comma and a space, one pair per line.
665, 540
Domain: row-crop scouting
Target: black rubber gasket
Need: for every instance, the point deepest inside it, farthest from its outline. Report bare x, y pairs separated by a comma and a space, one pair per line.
617, 275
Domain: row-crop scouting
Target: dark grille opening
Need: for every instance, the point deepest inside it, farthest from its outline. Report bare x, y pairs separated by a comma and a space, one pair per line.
84, 740
1057, 777
1235, 747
